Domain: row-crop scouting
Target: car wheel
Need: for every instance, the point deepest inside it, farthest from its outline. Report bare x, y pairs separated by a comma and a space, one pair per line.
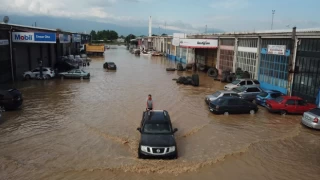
283, 112
226, 113
48, 76
27, 77
252, 111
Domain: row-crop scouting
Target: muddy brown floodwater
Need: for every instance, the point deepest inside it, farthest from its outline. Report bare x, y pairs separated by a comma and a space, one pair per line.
73, 129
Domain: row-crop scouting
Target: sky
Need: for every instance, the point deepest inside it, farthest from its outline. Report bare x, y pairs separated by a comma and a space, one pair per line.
182, 15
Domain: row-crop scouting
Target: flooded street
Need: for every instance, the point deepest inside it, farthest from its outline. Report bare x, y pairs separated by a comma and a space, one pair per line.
86, 129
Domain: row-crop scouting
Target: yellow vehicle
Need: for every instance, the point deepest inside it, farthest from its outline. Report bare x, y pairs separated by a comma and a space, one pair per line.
94, 49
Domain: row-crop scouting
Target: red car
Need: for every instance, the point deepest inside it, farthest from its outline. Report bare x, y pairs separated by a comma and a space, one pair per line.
289, 104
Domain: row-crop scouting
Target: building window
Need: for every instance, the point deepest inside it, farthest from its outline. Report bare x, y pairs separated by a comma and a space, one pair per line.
247, 62
274, 70
226, 59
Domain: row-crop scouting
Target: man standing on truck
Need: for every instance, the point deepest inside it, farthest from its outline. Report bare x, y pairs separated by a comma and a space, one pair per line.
149, 103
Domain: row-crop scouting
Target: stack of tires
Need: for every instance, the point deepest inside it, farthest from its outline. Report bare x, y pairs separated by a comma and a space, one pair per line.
242, 74
180, 67
225, 75
189, 80
213, 72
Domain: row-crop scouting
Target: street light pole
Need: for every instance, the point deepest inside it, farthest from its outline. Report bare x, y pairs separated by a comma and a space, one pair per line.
273, 11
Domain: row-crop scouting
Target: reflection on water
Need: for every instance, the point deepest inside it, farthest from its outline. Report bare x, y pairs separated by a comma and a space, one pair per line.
86, 129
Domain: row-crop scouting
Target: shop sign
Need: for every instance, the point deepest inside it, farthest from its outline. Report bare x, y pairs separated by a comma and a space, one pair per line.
277, 49
64, 38
199, 43
176, 41
76, 38
33, 37
4, 42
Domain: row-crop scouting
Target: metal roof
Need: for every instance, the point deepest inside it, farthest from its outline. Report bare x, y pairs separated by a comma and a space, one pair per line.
38, 28
279, 31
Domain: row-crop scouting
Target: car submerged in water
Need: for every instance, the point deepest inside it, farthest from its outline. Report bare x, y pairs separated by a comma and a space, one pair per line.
157, 135
267, 95
75, 74
10, 99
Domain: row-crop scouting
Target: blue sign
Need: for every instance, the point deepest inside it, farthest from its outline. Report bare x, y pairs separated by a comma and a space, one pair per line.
76, 38
30, 37
45, 37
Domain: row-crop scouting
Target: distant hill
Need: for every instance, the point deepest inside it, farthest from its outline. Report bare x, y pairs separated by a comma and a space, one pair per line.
75, 25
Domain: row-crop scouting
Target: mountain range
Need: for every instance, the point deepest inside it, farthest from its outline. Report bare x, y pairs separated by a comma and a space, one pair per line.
76, 25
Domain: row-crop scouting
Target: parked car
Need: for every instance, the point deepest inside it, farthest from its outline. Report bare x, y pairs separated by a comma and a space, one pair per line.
10, 99
267, 94
311, 118
157, 135
232, 105
241, 82
110, 66
75, 73
248, 92
1, 111
288, 104
46, 71
219, 94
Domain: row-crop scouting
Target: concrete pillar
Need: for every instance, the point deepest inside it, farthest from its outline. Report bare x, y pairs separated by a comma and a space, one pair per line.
235, 54
218, 54
258, 58
187, 56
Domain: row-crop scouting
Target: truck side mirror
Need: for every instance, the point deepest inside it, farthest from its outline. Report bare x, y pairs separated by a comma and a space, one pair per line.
139, 129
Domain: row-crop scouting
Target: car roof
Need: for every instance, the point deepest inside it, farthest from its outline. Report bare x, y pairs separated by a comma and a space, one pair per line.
272, 91
243, 79
157, 116
292, 97
111, 62
249, 86
224, 92
229, 97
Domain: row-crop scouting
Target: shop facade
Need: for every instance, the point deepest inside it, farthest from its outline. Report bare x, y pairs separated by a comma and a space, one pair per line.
226, 53
30, 49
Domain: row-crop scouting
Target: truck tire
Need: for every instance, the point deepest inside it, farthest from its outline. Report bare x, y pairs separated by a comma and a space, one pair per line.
213, 72
195, 79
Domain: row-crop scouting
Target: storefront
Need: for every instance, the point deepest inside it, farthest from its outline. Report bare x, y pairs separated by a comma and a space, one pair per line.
306, 80
31, 48
76, 39
226, 54
64, 45
247, 56
205, 51
274, 61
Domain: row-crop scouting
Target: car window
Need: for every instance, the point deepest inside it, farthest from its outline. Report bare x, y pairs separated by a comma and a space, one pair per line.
234, 95
226, 94
239, 89
275, 95
249, 82
256, 82
45, 70
301, 103
235, 82
77, 71
35, 70
279, 99
154, 128
243, 83
263, 94
83, 71
291, 102
216, 94
72, 71
315, 111
253, 89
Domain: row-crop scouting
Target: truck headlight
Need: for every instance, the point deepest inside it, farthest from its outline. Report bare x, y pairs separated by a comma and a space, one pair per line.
144, 148
172, 149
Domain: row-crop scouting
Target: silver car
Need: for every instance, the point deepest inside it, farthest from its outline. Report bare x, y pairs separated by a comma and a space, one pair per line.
219, 94
241, 82
248, 92
311, 118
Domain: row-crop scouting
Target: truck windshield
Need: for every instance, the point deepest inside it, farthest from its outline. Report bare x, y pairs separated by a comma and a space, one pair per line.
153, 128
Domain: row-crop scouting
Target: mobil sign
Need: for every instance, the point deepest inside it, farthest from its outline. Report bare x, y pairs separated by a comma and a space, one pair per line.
33, 37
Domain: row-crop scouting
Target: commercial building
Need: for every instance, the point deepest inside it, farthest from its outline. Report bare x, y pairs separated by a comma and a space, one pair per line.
23, 48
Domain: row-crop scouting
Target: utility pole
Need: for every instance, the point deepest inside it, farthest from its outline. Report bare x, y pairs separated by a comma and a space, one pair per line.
291, 68
273, 11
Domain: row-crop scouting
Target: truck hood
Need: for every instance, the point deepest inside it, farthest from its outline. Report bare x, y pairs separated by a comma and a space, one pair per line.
163, 140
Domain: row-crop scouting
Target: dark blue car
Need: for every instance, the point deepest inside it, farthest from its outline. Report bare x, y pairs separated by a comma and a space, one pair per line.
265, 95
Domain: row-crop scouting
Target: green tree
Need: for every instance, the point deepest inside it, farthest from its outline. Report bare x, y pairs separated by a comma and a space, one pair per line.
93, 35
129, 37
154, 35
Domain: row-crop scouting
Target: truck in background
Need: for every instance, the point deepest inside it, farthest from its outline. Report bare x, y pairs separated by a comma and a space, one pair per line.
92, 49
